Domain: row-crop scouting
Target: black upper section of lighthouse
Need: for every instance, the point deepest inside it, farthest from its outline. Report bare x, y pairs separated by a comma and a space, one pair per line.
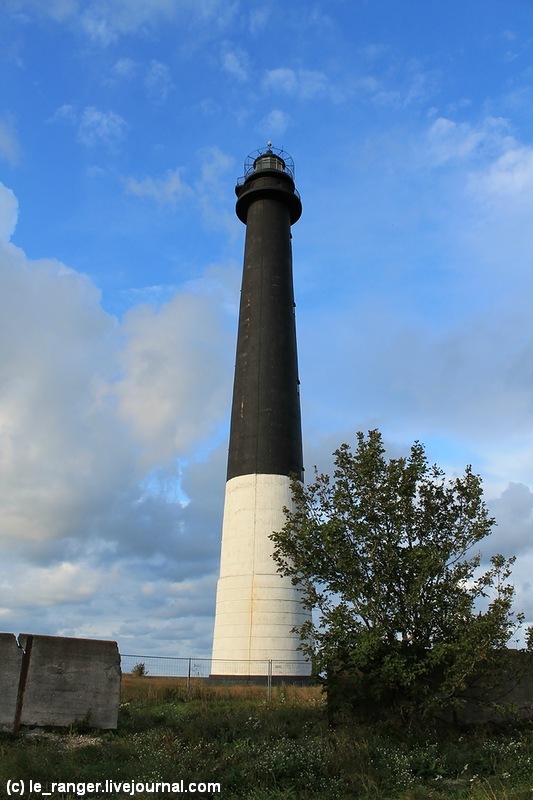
265, 434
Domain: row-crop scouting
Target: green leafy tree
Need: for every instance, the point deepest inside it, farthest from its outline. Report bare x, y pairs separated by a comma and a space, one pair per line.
386, 552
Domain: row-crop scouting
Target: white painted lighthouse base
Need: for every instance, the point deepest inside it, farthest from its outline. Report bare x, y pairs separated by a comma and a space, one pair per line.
256, 607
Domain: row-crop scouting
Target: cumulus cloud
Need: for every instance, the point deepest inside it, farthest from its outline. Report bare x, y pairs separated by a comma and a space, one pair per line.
172, 359
55, 358
100, 423
448, 362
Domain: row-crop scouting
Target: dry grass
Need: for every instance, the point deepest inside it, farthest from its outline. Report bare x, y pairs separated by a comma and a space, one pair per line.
158, 689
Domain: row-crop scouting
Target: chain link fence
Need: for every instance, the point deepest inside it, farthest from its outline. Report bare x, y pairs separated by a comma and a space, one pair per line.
266, 672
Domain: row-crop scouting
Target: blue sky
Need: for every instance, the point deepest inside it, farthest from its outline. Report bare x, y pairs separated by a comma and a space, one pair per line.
124, 125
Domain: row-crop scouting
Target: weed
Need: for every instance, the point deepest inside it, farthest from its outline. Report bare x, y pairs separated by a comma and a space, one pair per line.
261, 750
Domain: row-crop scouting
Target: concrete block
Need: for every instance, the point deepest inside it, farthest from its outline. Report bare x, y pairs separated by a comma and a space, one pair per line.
504, 694
69, 680
10, 663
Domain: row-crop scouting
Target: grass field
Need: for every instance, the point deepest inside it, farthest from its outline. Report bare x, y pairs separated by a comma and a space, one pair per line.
257, 750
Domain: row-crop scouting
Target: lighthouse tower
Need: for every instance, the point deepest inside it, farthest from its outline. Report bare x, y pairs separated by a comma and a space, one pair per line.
256, 608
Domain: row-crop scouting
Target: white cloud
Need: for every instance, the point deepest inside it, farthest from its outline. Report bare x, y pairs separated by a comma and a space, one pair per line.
55, 422
499, 231
281, 79
8, 213
215, 166
100, 127
156, 77
209, 190
124, 68
509, 178
302, 83
275, 123
235, 63
64, 583
394, 83
104, 21
167, 191
172, 358
65, 113
94, 416
458, 141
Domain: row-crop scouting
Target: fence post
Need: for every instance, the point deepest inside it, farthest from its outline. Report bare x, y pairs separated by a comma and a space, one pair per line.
189, 677
269, 682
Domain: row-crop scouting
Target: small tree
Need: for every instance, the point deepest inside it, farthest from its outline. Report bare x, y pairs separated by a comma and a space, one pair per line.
385, 552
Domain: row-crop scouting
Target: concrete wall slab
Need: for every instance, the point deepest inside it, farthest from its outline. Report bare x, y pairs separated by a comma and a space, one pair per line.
58, 681
70, 680
10, 663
